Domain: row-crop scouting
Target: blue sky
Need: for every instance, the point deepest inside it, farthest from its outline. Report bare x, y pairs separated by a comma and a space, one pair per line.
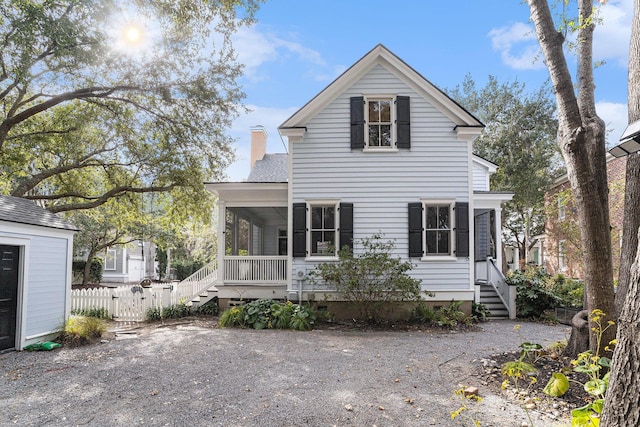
298, 47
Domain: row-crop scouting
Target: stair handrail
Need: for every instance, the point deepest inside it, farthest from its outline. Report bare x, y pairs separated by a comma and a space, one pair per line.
498, 281
196, 283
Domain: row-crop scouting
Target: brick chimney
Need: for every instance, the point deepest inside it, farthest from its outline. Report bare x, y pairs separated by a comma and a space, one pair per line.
258, 144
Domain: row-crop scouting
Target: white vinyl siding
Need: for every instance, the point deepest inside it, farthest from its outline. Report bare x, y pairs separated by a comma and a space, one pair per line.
47, 288
381, 184
480, 178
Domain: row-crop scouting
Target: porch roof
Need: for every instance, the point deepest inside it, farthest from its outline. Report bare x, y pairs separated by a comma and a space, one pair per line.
250, 193
490, 199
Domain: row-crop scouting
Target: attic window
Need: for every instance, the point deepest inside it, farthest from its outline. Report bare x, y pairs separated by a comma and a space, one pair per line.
379, 122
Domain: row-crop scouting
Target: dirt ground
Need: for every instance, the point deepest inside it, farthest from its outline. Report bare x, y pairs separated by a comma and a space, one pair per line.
190, 372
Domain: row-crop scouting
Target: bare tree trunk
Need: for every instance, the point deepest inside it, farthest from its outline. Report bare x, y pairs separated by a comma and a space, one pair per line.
86, 273
581, 138
631, 221
622, 401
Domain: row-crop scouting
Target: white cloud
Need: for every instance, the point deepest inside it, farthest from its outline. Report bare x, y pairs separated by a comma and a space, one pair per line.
255, 48
270, 118
615, 117
517, 45
611, 37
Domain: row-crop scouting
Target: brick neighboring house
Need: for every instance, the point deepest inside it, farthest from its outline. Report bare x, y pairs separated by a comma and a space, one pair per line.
559, 249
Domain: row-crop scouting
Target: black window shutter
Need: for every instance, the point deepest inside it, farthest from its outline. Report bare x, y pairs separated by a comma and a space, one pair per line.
415, 230
299, 229
462, 229
346, 225
357, 122
403, 122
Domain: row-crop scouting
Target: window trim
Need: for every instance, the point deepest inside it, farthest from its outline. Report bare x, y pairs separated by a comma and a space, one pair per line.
392, 111
323, 203
562, 208
562, 255
452, 221
114, 257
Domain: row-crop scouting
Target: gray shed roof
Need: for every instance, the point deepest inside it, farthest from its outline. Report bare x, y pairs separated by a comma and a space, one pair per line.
272, 168
23, 211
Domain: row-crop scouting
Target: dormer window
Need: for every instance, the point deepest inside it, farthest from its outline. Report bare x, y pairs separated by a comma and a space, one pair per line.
380, 122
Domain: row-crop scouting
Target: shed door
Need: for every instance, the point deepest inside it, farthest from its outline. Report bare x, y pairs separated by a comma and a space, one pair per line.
9, 264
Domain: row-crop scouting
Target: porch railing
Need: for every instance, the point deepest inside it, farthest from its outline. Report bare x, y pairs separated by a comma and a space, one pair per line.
498, 281
193, 285
255, 269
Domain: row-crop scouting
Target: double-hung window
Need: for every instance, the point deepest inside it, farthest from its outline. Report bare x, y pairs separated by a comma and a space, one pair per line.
438, 229
323, 229
110, 259
438, 232
379, 123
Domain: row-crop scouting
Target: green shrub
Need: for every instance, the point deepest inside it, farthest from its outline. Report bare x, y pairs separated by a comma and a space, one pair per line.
100, 313
479, 312
269, 314
422, 313
534, 292
80, 330
185, 269
451, 315
232, 317
210, 308
569, 291
370, 279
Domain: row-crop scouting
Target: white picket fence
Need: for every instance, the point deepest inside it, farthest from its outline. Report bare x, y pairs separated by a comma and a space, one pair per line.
124, 303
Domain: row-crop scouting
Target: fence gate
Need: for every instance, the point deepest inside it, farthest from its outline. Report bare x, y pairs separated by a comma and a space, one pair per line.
128, 304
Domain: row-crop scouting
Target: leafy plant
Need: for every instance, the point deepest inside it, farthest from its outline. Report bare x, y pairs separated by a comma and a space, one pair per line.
469, 412
80, 330
422, 313
451, 315
533, 293
479, 312
269, 314
370, 278
592, 366
100, 313
232, 317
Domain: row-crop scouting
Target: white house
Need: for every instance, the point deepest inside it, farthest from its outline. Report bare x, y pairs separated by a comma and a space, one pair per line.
36, 249
380, 150
131, 262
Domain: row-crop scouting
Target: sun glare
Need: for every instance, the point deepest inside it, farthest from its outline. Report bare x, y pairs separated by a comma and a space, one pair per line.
133, 37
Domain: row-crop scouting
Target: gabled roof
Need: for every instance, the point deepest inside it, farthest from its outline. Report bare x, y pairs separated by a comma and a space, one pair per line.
382, 55
23, 211
492, 167
271, 168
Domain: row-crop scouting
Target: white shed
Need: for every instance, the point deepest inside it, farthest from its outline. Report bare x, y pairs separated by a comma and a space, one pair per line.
36, 249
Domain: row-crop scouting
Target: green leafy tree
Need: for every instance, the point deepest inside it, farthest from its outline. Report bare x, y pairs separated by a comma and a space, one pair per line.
520, 138
117, 222
105, 98
370, 278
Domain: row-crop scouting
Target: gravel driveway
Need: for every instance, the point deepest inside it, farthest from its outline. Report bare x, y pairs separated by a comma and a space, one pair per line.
190, 373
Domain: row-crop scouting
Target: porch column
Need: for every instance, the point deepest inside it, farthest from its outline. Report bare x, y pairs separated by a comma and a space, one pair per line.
498, 227
222, 226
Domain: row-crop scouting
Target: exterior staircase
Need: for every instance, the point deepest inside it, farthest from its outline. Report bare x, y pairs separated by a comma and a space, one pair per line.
493, 291
490, 299
197, 289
